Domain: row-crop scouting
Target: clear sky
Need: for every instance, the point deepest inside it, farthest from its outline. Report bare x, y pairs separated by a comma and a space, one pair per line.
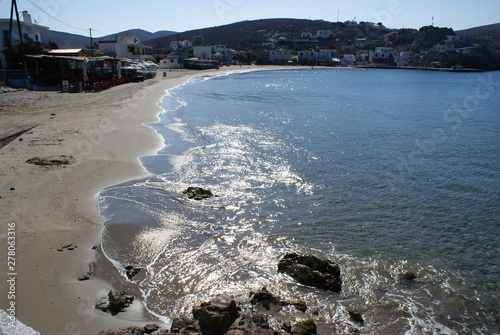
109, 17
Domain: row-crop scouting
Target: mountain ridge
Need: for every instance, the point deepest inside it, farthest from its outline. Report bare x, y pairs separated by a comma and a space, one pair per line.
68, 40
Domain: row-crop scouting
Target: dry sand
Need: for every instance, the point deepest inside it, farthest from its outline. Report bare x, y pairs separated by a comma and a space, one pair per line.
102, 136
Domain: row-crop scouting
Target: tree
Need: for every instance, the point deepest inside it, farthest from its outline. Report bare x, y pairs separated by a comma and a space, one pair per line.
53, 45
241, 57
13, 54
252, 56
311, 62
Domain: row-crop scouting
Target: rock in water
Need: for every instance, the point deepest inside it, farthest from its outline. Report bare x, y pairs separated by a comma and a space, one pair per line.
307, 327
251, 323
270, 302
217, 315
131, 271
409, 276
198, 193
266, 299
355, 316
312, 271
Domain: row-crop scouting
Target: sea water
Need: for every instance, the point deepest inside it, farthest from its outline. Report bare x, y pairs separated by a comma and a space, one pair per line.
381, 171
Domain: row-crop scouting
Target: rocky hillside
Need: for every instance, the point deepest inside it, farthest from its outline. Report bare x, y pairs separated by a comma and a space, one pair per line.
490, 39
251, 34
429, 36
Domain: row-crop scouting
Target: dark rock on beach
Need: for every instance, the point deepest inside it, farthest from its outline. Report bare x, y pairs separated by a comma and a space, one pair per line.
147, 329
115, 302
150, 327
124, 331
217, 315
89, 273
185, 326
407, 276
198, 193
312, 271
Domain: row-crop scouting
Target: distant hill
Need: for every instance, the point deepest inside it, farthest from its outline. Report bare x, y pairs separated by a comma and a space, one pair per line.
251, 34
67, 40
488, 35
479, 30
141, 34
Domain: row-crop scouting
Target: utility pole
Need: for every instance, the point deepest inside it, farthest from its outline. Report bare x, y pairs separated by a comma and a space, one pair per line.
91, 43
21, 45
338, 15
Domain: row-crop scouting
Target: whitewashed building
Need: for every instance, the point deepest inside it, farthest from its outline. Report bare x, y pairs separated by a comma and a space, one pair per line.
351, 23
269, 45
127, 46
382, 56
28, 29
443, 48
323, 33
404, 58
222, 53
307, 35
456, 39
347, 60
175, 45
203, 52
320, 57
172, 61
276, 55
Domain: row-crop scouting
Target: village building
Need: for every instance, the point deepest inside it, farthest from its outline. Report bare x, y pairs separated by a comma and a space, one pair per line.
443, 48
28, 29
320, 57
323, 33
67, 52
172, 61
351, 23
307, 35
204, 52
222, 53
347, 60
127, 46
276, 55
361, 42
382, 56
269, 45
404, 58
176, 45
458, 41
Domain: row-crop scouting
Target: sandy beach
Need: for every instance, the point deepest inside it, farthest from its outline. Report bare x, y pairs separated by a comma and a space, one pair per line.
99, 138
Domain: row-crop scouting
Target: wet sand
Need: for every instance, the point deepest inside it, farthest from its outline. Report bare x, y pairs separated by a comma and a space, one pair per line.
98, 137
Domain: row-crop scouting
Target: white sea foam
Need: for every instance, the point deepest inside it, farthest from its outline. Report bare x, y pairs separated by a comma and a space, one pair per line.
11, 326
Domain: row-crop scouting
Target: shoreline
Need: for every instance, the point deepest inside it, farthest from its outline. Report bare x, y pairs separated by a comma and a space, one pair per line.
413, 68
102, 135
